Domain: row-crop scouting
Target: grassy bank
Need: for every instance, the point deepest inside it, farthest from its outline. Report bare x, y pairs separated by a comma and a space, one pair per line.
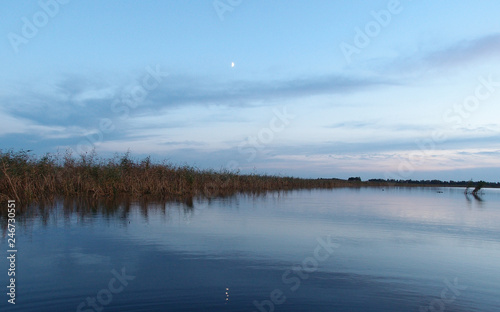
29, 179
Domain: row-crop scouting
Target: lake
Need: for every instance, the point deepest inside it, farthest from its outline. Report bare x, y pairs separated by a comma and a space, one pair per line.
346, 249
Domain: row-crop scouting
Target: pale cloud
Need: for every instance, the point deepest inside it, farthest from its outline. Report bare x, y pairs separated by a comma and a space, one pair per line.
14, 125
94, 95
465, 51
428, 60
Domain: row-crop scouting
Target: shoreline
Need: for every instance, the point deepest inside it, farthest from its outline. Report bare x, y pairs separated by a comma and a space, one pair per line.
32, 180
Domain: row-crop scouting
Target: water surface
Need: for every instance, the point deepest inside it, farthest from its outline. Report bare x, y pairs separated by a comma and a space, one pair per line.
388, 249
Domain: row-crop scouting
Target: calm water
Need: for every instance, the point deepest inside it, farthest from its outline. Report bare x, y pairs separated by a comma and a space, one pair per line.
369, 249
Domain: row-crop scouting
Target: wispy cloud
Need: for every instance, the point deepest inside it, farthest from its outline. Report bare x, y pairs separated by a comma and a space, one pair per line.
352, 124
381, 145
429, 59
14, 125
379, 125
191, 91
466, 51
76, 101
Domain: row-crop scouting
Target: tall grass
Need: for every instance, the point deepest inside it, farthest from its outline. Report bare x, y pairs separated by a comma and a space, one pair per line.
31, 179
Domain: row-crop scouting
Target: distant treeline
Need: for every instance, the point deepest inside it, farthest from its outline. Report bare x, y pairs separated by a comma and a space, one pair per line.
469, 183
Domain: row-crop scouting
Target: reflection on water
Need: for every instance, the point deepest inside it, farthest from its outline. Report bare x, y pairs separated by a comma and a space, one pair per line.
474, 195
396, 249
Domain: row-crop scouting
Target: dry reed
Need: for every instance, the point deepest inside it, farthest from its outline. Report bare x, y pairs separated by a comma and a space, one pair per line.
31, 179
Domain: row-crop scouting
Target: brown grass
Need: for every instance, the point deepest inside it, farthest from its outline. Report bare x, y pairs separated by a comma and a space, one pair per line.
30, 179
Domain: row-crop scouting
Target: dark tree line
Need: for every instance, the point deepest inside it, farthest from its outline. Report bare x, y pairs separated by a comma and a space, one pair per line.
469, 183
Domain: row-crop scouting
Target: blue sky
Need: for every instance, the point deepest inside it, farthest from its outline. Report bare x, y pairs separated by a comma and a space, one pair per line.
377, 89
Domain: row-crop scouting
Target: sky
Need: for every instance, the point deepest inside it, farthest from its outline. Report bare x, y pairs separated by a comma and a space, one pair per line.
318, 89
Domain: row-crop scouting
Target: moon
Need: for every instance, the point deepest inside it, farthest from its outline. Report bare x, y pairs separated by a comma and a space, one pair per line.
232, 64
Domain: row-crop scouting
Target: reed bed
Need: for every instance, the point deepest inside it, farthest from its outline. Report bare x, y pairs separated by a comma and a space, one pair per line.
30, 179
